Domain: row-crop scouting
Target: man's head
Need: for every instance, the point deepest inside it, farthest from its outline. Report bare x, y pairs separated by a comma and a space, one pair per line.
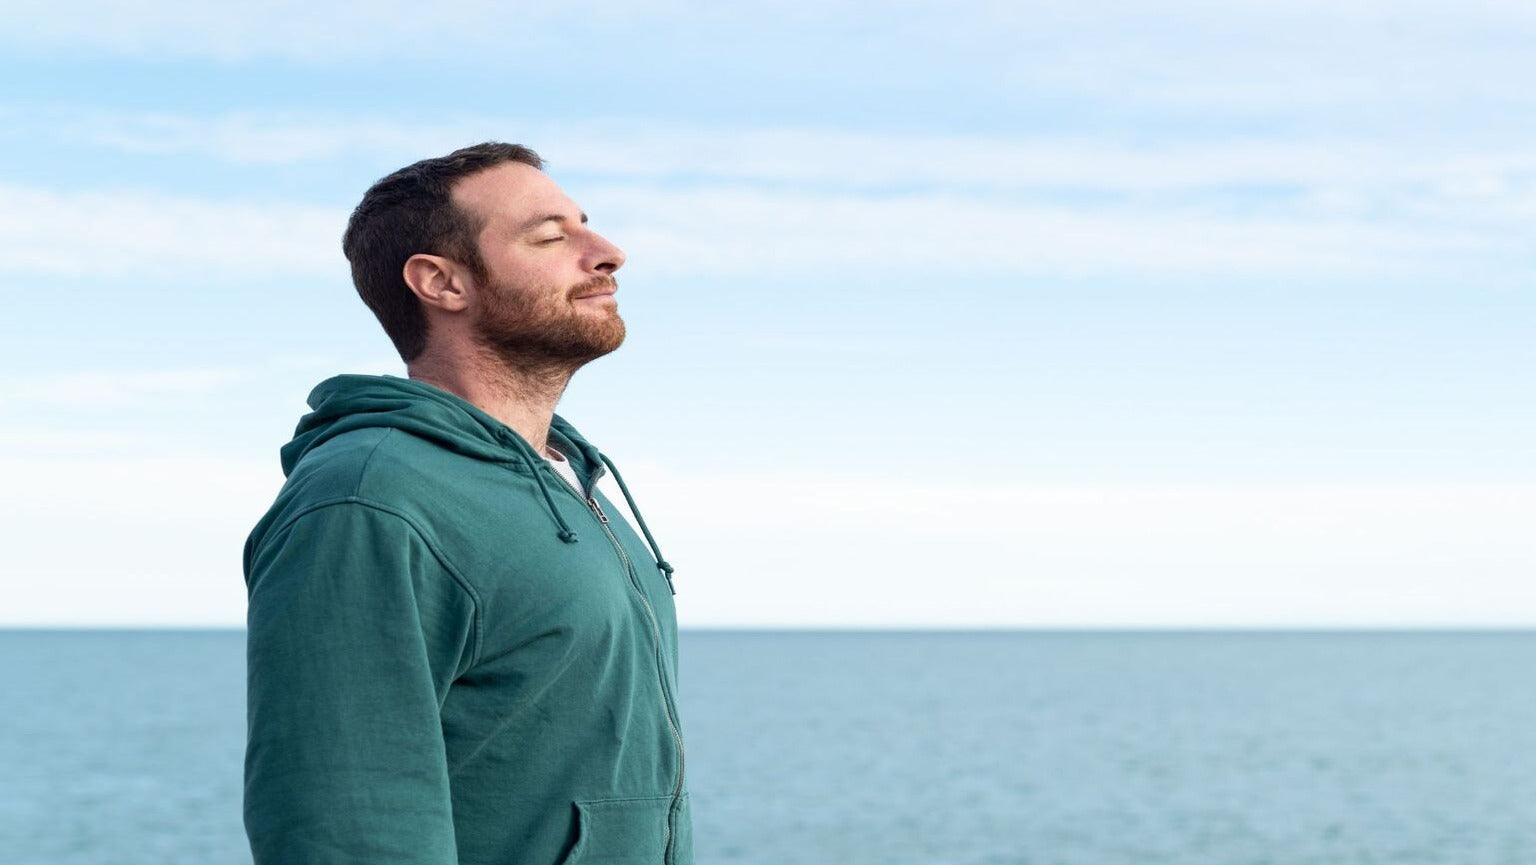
484, 239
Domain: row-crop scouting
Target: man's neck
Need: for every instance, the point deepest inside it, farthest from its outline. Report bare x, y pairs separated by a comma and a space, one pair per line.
520, 395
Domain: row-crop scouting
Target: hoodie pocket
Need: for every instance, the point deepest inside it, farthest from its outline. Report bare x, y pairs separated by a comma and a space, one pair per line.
620, 832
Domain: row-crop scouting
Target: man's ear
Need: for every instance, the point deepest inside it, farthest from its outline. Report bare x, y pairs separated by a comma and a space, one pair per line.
437, 281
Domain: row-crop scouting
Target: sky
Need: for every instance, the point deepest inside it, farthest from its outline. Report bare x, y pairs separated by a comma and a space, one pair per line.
972, 314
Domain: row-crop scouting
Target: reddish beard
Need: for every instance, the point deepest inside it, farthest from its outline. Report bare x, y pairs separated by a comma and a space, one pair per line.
547, 329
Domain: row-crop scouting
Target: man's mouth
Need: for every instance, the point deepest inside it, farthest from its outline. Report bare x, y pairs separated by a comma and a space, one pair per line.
596, 288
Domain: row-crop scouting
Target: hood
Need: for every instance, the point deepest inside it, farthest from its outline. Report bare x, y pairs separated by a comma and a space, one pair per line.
351, 402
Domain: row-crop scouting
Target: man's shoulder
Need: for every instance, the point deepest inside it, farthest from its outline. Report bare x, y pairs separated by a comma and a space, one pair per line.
384, 465
379, 468
337, 466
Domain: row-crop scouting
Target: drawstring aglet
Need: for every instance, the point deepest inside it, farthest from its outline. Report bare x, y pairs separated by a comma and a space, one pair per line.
666, 571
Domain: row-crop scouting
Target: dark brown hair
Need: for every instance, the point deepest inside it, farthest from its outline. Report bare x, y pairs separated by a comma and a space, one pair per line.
411, 212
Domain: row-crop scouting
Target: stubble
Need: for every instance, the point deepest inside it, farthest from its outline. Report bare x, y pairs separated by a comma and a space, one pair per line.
547, 331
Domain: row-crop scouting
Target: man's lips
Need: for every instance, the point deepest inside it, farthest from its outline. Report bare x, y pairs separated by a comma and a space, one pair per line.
597, 288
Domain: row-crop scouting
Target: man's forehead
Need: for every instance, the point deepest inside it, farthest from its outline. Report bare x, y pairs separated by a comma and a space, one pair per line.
511, 189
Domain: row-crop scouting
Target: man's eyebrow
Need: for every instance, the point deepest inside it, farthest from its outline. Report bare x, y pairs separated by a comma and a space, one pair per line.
549, 217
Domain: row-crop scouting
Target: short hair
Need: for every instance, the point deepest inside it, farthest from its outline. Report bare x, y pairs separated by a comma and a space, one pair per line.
409, 212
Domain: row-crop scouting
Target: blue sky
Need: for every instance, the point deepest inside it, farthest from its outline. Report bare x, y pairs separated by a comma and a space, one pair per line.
963, 314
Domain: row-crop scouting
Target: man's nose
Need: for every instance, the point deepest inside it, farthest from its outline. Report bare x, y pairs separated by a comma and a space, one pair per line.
607, 258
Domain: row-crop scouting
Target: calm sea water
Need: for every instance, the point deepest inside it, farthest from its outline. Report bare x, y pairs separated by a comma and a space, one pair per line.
124, 748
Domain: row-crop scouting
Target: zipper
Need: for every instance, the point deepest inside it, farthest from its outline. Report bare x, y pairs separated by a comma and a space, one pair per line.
603, 518
661, 676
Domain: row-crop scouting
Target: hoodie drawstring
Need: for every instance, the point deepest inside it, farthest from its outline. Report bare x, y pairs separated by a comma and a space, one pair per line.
565, 530
661, 563
523, 450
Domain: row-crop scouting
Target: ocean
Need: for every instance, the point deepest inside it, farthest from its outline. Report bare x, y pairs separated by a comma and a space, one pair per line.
881, 748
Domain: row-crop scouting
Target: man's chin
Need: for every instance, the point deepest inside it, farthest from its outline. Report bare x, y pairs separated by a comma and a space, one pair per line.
611, 341
583, 334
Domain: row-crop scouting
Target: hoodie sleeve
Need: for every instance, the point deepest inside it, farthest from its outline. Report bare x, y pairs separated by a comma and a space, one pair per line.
355, 630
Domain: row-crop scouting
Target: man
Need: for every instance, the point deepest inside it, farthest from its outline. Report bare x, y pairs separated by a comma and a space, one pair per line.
458, 650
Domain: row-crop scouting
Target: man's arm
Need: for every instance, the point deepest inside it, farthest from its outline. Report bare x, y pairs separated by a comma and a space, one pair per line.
355, 630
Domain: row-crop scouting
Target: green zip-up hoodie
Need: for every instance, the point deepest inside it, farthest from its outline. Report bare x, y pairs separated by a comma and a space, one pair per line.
454, 656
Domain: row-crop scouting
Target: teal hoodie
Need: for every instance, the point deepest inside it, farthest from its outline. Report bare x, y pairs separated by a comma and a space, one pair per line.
454, 656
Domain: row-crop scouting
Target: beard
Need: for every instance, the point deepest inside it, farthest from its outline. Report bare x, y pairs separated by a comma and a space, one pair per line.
546, 330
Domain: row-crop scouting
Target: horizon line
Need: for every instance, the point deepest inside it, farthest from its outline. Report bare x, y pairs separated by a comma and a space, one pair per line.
914, 628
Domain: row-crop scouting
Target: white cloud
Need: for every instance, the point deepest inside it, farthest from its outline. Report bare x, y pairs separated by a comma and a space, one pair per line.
325, 31
125, 540
712, 200
151, 237
725, 200
777, 550
226, 32
1255, 59
240, 137
330, 31
111, 388
746, 230
140, 238
1438, 166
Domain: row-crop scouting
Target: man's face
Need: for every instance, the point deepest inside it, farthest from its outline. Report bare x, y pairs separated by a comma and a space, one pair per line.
547, 296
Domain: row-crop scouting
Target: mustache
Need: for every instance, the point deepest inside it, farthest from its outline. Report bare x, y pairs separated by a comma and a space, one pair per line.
596, 283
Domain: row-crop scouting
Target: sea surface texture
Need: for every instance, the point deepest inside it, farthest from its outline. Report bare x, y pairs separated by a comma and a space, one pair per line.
815, 748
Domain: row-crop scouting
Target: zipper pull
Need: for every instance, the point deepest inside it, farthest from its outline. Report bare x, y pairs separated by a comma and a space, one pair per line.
598, 509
